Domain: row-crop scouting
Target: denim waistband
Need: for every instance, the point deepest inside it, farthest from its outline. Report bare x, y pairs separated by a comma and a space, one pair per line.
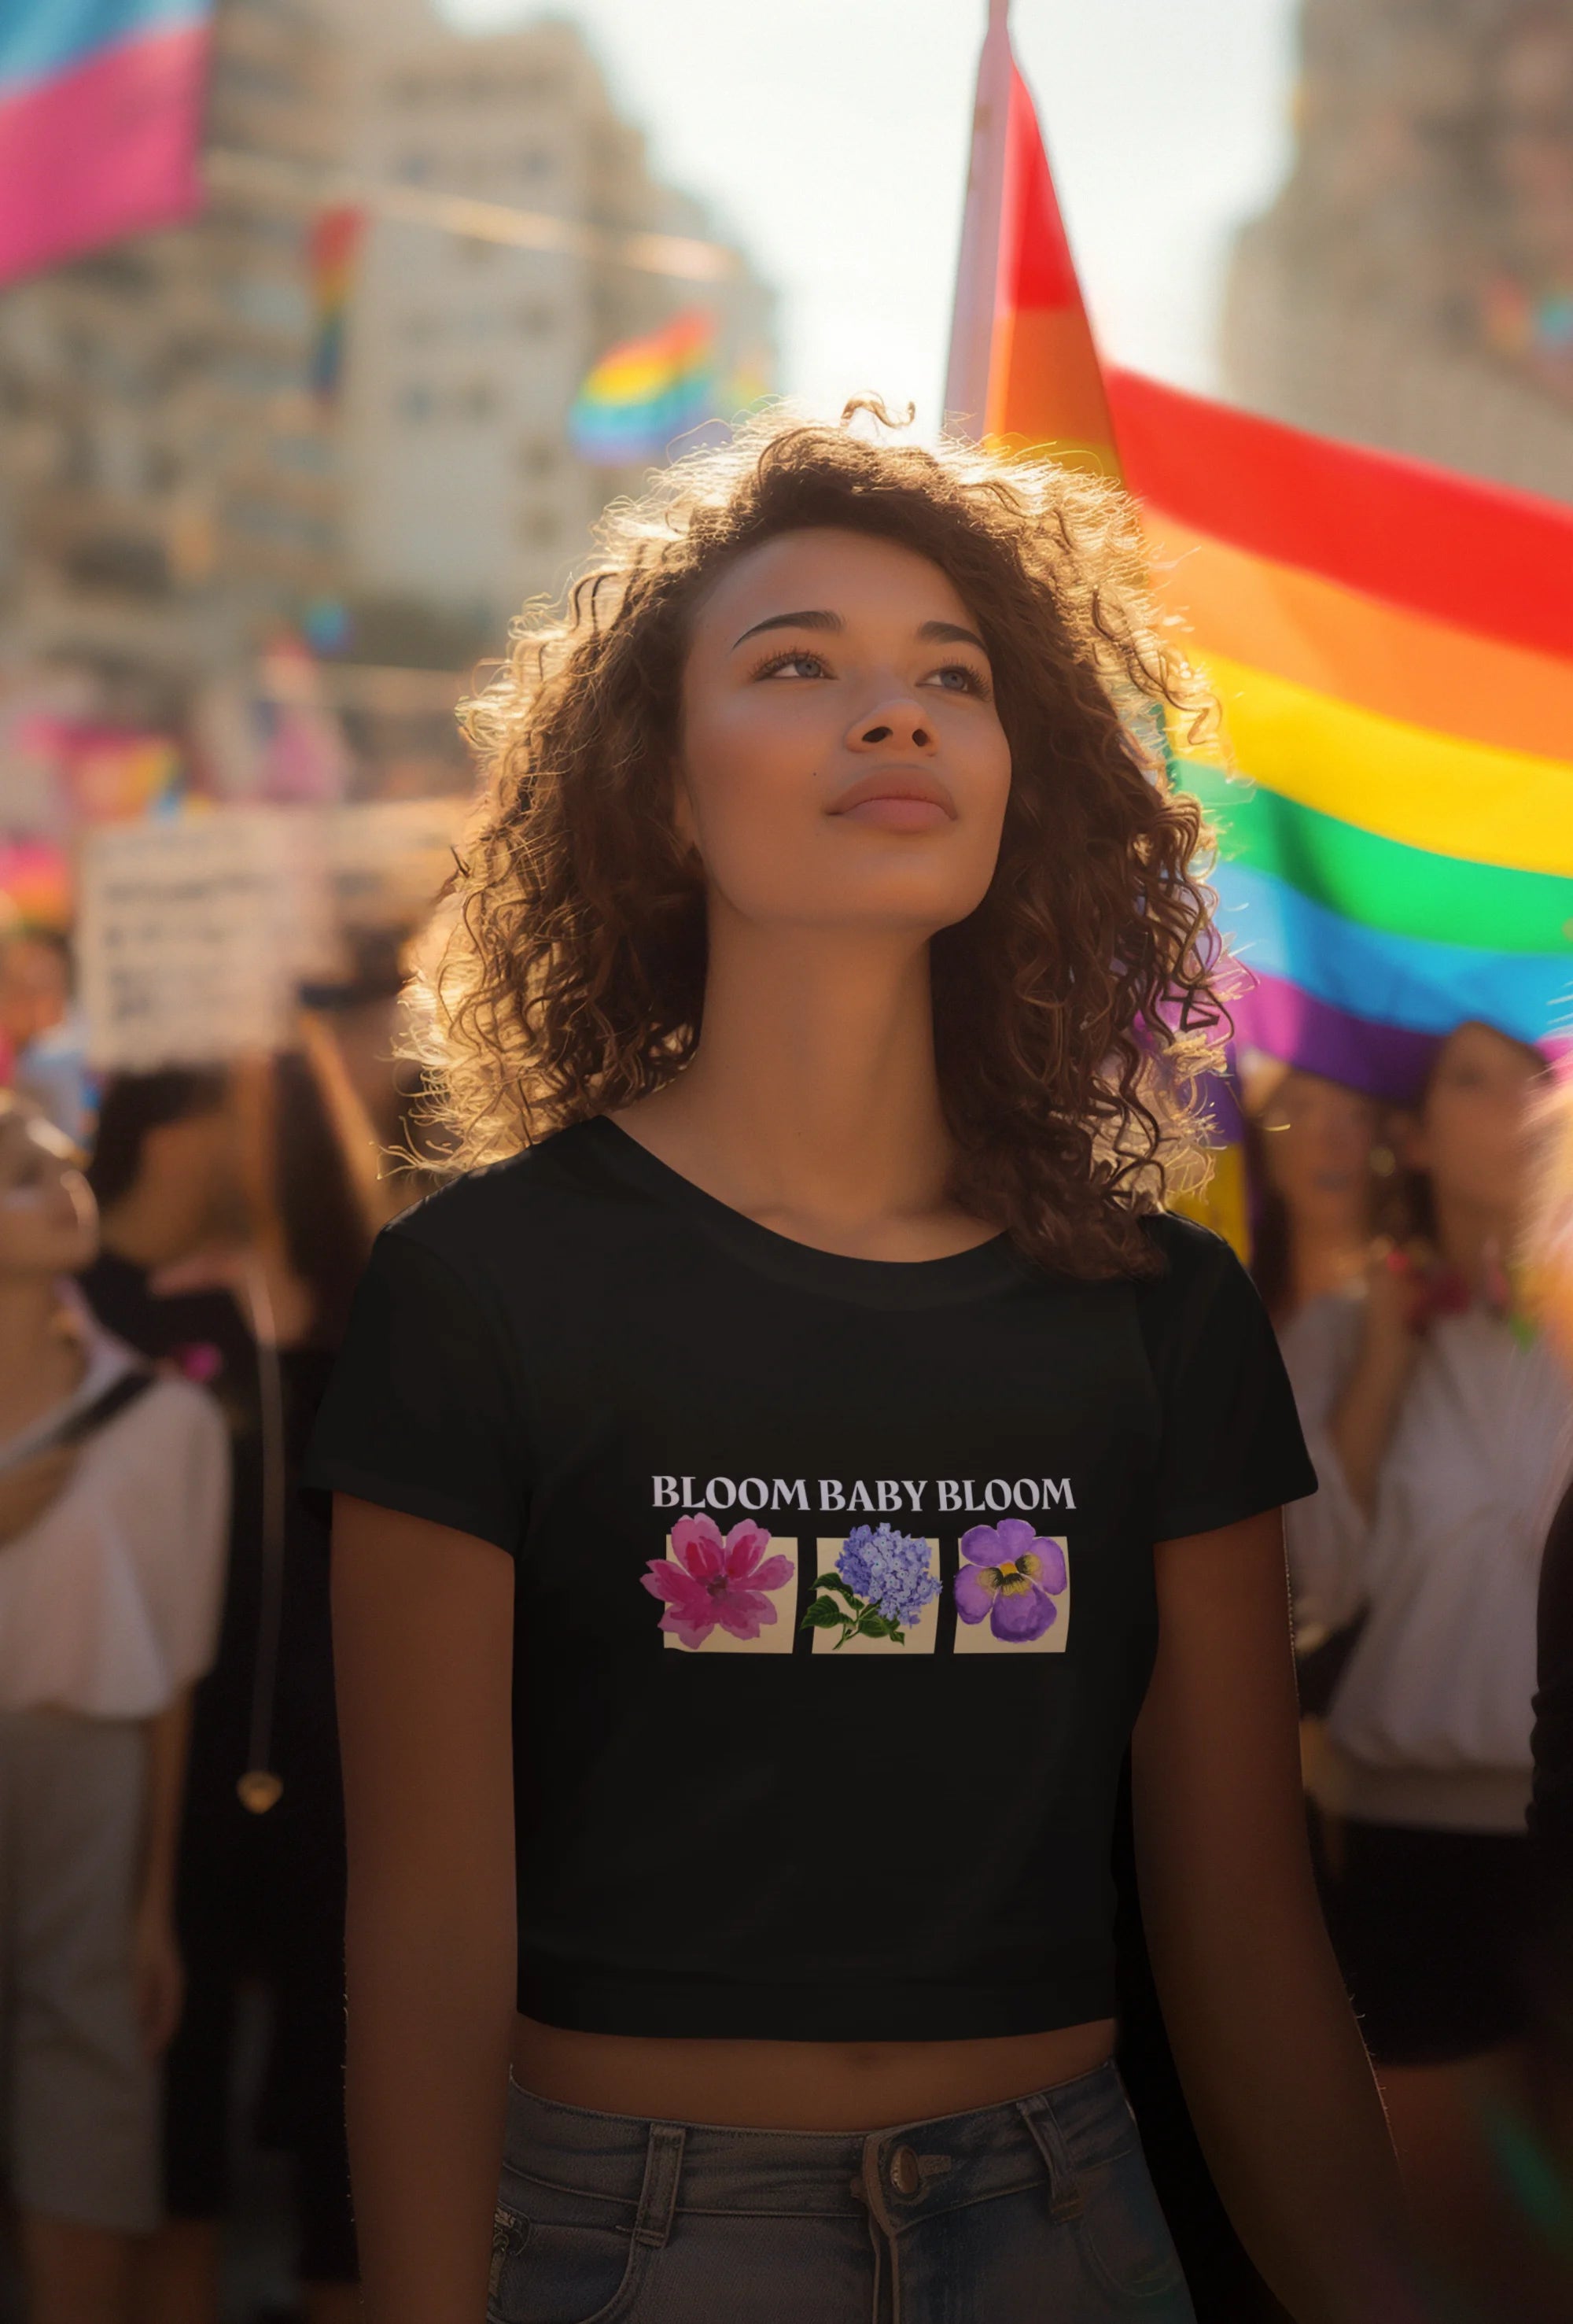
904, 2170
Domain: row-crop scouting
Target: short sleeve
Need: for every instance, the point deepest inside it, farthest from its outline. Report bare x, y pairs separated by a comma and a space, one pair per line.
1232, 1444
421, 1414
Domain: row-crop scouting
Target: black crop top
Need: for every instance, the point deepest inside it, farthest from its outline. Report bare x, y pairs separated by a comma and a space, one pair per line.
834, 1599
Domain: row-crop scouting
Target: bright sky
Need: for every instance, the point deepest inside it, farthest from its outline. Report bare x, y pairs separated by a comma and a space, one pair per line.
830, 137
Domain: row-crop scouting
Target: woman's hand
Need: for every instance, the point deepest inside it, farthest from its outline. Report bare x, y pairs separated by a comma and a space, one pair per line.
159, 1976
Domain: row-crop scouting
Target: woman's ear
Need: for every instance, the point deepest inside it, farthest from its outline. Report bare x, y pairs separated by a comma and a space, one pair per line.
684, 826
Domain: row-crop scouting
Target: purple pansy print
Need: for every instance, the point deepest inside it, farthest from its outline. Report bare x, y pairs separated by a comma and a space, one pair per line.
1013, 1576
707, 1579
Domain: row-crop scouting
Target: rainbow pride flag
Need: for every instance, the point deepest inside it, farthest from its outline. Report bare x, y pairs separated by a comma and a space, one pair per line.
647, 391
1392, 647
100, 102
336, 234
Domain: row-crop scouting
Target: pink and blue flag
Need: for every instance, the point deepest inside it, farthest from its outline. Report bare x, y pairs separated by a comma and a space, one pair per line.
100, 105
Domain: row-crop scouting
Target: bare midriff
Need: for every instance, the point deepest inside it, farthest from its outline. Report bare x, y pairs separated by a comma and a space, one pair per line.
847, 2086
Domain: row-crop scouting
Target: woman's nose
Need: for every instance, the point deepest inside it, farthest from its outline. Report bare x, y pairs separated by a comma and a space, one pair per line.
900, 723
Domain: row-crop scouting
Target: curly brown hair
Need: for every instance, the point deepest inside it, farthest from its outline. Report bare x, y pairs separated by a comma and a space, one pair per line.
1073, 1009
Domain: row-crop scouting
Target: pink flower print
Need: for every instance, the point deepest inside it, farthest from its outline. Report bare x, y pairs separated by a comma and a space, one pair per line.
707, 1579
1013, 1576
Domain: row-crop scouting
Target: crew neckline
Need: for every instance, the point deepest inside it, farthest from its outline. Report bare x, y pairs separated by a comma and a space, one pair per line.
984, 1269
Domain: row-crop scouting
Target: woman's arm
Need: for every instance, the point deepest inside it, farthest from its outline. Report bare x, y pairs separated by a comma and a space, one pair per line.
423, 1642
1273, 2069
1366, 1412
160, 1979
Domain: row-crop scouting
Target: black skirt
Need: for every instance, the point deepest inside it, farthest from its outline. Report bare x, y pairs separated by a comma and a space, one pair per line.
1432, 1931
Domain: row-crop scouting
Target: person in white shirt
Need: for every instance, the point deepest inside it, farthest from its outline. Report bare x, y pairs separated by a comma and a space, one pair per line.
108, 1613
1441, 1429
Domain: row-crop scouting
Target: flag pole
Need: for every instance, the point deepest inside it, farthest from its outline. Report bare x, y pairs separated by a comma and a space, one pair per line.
977, 267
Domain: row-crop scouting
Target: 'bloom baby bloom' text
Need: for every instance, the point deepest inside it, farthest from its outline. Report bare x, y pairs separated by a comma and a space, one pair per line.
878, 1496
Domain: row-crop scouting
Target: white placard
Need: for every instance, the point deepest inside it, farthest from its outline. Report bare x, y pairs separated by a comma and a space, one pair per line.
194, 935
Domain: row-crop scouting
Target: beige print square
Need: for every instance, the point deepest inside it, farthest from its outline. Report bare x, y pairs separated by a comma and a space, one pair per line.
919, 1636
979, 1638
774, 1638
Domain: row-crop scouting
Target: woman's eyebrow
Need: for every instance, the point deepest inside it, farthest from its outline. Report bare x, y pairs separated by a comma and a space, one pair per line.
810, 620
951, 633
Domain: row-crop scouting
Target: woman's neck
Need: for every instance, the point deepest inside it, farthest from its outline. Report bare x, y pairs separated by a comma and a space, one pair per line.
39, 1363
1323, 1259
813, 1102
1471, 1239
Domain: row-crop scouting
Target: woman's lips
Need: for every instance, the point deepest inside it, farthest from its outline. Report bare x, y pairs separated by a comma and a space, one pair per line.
896, 801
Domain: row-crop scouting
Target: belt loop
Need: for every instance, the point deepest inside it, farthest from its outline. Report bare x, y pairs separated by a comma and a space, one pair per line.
1065, 2198
658, 2195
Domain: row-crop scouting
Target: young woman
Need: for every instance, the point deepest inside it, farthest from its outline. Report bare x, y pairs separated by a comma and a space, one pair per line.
1442, 1429
109, 1612
825, 942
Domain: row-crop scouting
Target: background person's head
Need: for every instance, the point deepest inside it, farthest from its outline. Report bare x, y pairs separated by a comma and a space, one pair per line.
1311, 1146
49, 1224
165, 1166
35, 985
653, 767
1468, 1139
1317, 1139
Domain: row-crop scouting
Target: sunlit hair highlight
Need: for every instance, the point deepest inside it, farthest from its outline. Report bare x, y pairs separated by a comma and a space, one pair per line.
1073, 1009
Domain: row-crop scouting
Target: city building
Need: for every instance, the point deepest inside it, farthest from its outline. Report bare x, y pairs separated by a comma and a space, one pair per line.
464, 353
1412, 286
319, 407
169, 482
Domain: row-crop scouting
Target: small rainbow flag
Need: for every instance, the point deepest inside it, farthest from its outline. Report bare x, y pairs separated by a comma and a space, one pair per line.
647, 391
1393, 646
100, 102
336, 244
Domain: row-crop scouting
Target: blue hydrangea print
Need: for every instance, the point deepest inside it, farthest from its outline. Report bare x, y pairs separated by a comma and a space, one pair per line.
879, 1587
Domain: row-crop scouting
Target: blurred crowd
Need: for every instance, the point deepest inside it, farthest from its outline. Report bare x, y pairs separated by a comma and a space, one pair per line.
177, 1254
172, 1293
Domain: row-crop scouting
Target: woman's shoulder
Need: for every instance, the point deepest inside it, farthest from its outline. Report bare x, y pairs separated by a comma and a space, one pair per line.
1195, 1266
174, 1412
530, 1191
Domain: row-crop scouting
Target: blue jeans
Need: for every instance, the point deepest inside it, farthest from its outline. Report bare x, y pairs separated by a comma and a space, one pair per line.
1039, 2211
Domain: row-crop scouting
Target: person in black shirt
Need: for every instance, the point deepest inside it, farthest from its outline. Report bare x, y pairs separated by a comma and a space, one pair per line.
786, 1472
231, 1239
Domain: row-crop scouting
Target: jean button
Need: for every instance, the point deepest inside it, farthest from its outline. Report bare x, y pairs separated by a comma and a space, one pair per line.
905, 2175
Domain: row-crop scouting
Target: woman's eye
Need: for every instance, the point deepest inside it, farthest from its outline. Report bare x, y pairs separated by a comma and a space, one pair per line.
960, 678
792, 665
